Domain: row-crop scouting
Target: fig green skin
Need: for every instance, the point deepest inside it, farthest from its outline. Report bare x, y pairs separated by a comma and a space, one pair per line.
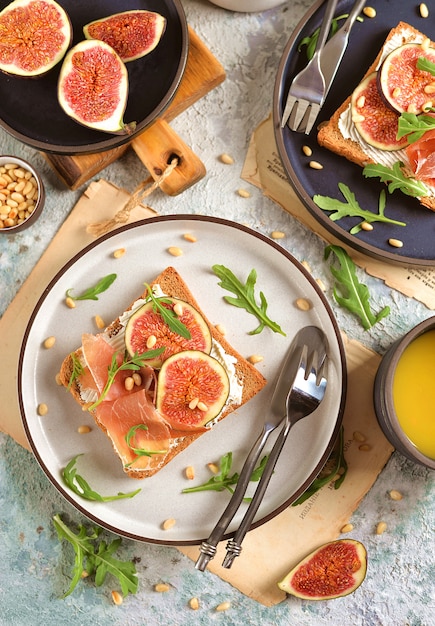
186, 376
133, 34
145, 322
399, 70
341, 568
9, 57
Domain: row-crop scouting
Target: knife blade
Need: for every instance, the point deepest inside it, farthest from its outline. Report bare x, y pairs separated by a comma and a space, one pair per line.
332, 53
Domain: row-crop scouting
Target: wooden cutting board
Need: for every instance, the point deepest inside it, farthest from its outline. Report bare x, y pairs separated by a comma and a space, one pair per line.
158, 143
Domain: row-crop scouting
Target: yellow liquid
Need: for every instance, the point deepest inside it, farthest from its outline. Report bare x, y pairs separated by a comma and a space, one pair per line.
414, 392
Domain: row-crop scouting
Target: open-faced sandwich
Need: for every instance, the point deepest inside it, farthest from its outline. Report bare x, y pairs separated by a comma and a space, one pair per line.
159, 376
389, 119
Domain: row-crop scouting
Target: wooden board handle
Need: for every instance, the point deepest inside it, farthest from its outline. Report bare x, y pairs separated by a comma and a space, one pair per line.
157, 146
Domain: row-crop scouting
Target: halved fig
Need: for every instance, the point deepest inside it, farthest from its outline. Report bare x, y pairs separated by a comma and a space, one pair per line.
146, 327
93, 87
132, 34
334, 570
375, 122
192, 389
34, 37
403, 86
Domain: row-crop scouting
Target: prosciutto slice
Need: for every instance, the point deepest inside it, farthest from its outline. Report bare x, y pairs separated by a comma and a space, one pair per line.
421, 155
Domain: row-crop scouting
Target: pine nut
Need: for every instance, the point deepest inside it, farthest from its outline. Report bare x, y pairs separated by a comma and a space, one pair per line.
13, 198
277, 234
255, 358
99, 322
223, 606
214, 469
190, 237
361, 102
83, 430
202, 407
227, 159
364, 447
129, 383
381, 528
369, 12
175, 251
346, 528
178, 309
396, 243
193, 403
303, 304
190, 472
243, 193
117, 598
137, 379
307, 266
194, 603
42, 409
366, 226
161, 587
424, 11
70, 303
307, 151
169, 523
359, 436
119, 253
151, 341
49, 342
321, 284
315, 165
395, 495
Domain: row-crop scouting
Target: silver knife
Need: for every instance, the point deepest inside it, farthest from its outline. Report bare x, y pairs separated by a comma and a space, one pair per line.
332, 53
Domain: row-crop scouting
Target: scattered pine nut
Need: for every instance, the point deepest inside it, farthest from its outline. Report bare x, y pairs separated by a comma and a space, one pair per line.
151, 341
137, 379
83, 430
307, 151
346, 528
119, 253
70, 303
190, 472
244, 193
202, 406
366, 226
364, 447
58, 379
194, 603
223, 606
214, 469
175, 251
277, 234
321, 284
129, 383
307, 266
99, 322
178, 309
227, 159
369, 12
42, 409
221, 329
361, 102
424, 11
161, 587
169, 523
315, 165
359, 436
117, 598
193, 403
189, 237
49, 342
303, 304
381, 528
396, 243
395, 495
255, 358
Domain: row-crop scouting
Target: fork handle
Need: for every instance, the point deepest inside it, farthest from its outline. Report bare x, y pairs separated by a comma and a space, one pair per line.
234, 545
325, 26
208, 547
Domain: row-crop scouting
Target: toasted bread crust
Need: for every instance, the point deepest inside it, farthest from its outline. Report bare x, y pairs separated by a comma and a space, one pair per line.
329, 135
173, 285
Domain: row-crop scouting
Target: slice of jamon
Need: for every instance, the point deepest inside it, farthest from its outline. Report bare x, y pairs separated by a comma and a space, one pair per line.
151, 433
98, 354
421, 155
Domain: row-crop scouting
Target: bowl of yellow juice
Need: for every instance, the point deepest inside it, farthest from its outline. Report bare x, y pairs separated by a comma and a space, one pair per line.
404, 394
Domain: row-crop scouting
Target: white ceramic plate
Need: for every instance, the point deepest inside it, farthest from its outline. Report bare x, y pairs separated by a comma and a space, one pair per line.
54, 437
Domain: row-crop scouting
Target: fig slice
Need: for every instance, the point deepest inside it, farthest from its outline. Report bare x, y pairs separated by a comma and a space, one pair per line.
148, 323
403, 86
93, 87
192, 389
375, 122
334, 570
132, 34
34, 37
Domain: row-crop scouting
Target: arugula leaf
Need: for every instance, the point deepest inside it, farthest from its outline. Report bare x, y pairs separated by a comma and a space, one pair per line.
133, 363
246, 297
81, 487
100, 562
351, 208
340, 467
425, 65
77, 370
139, 451
311, 40
349, 292
225, 480
93, 292
414, 126
396, 179
168, 315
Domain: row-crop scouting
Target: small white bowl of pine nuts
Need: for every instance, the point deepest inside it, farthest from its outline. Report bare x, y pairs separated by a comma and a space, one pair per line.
22, 194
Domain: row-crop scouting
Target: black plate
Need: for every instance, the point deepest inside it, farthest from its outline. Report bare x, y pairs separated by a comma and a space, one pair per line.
366, 39
29, 109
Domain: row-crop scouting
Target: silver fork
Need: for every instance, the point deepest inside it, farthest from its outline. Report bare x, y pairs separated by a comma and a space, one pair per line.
278, 409
307, 91
305, 396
